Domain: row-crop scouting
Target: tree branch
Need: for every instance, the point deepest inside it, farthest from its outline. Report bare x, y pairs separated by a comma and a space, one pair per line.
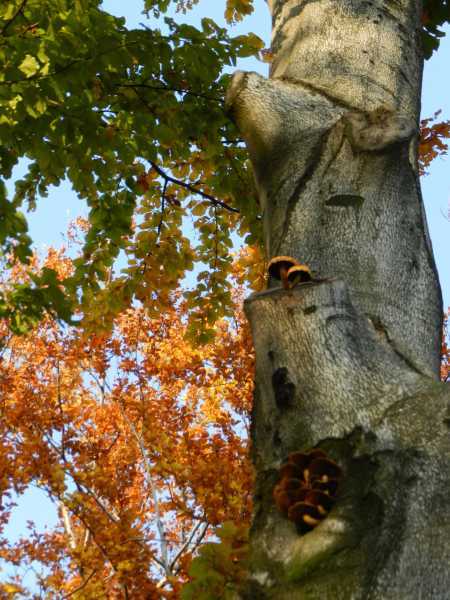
163, 209
193, 189
148, 468
166, 88
188, 542
81, 487
68, 525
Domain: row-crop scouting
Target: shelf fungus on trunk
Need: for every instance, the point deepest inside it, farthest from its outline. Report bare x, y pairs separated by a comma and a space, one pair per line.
307, 488
279, 268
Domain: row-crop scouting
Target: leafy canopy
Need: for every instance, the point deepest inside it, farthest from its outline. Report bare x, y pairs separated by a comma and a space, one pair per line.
135, 120
139, 439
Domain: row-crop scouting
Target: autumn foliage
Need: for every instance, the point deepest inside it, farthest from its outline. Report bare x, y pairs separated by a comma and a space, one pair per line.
138, 437
433, 134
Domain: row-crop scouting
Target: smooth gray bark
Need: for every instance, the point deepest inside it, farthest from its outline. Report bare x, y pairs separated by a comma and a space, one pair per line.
350, 362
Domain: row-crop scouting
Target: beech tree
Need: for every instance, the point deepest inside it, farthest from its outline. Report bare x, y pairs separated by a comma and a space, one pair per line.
348, 363
348, 403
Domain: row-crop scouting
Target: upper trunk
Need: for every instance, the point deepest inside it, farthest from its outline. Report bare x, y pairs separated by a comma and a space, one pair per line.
348, 362
332, 137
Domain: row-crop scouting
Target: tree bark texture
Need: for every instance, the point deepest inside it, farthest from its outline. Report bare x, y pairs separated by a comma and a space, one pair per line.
349, 362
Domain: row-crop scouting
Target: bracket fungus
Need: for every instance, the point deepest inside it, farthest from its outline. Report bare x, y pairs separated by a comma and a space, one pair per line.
307, 488
298, 274
278, 269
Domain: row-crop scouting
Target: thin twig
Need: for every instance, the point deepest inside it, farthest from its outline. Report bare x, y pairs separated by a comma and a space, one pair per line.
14, 17
188, 542
165, 88
216, 242
161, 583
92, 534
80, 587
232, 142
163, 209
81, 488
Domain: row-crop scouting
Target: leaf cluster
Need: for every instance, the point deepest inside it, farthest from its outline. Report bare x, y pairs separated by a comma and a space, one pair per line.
435, 13
432, 144
135, 120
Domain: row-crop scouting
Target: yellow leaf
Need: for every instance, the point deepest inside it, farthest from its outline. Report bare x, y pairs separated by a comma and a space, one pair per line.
29, 66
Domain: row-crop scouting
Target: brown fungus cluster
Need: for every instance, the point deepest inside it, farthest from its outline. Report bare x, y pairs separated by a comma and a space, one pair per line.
290, 272
307, 488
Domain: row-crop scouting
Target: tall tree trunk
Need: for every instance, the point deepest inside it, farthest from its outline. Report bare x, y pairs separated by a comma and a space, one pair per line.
348, 363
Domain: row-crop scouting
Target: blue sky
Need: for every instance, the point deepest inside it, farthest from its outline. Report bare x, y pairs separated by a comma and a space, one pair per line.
436, 185
54, 213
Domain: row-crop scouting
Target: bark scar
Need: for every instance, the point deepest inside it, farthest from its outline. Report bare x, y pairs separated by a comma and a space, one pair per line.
283, 388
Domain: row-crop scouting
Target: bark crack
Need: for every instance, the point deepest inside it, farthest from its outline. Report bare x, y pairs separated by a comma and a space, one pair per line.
319, 90
315, 155
335, 100
380, 327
